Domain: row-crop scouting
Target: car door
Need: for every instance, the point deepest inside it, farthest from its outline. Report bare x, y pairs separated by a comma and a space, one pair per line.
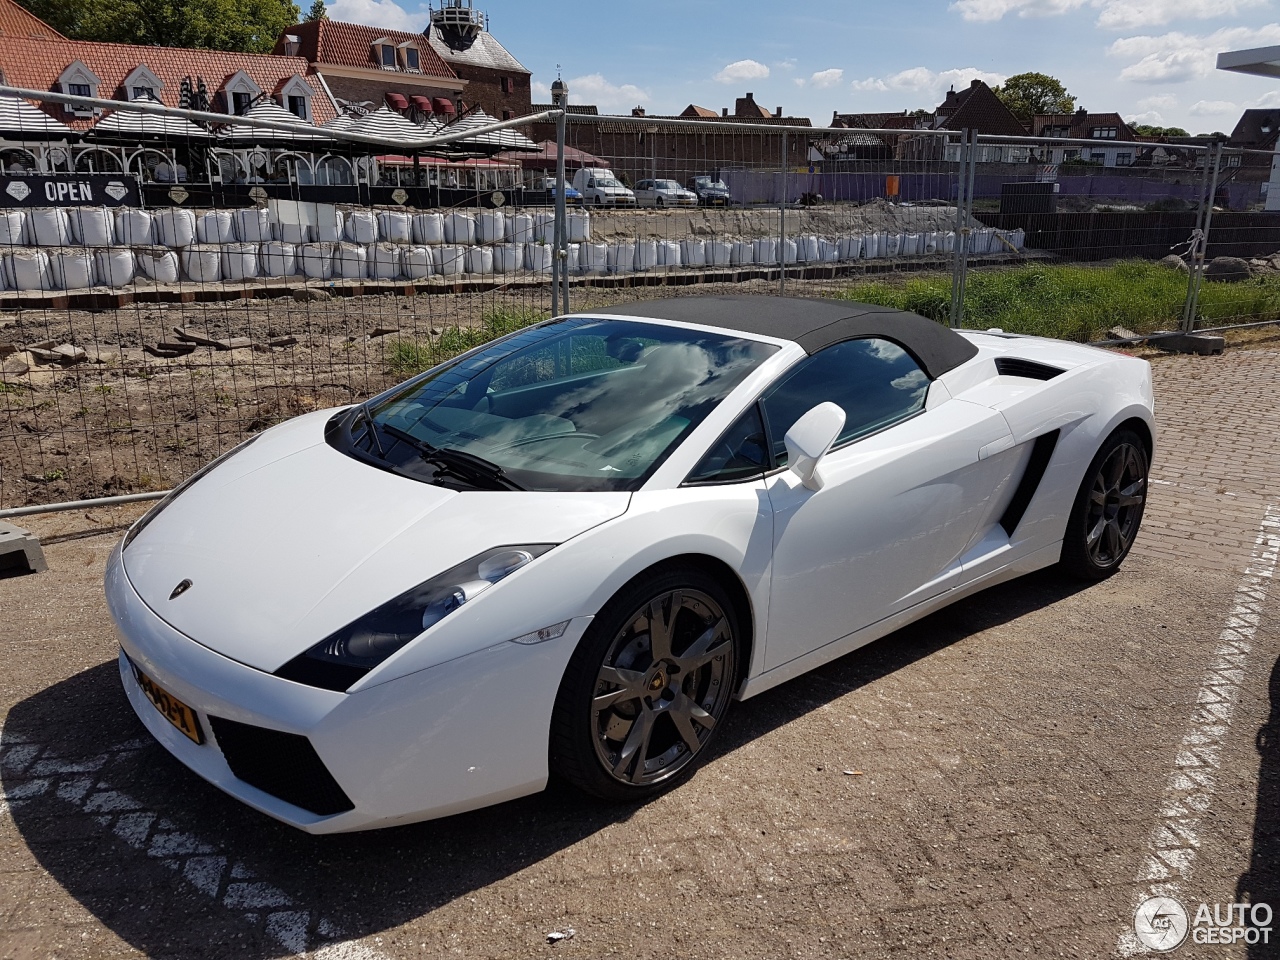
905, 488
644, 192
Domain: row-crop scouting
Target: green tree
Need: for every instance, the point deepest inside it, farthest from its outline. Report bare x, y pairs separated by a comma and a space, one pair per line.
318, 11
250, 26
1147, 130
1028, 94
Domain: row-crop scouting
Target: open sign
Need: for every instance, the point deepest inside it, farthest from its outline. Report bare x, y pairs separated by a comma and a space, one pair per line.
70, 190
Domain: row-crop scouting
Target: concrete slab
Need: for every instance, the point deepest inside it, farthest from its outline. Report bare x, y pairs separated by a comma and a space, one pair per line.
20, 550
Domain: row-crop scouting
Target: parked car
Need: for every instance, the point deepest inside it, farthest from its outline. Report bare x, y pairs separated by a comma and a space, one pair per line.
599, 187
663, 193
508, 566
548, 184
710, 191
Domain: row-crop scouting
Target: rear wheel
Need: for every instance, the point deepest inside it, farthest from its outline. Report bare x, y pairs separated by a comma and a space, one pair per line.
648, 687
1108, 510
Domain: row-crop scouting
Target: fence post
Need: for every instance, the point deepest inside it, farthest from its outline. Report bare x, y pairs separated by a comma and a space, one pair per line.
1200, 243
957, 261
782, 222
560, 255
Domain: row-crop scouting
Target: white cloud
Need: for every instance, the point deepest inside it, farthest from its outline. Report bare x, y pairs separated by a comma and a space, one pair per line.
1162, 102
596, 90
1153, 117
925, 81
825, 79
996, 9
741, 70
1129, 14
1212, 108
385, 13
1175, 57
1268, 100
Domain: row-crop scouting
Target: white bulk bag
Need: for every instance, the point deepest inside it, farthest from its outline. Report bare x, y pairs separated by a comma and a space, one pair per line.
790, 251
980, 242
287, 231
428, 228
693, 253
459, 228
71, 268
350, 260
278, 259
253, 225
362, 226
492, 227
807, 249
622, 257
646, 254
416, 262
719, 253
395, 226
766, 250
175, 228
544, 226
480, 260
384, 260
577, 225
92, 226
215, 226
27, 270
851, 248
593, 257
828, 250
114, 266
947, 243
239, 261
329, 230
13, 228
931, 243
538, 257
520, 228
158, 263
892, 244
871, 246
668, 253
133, 227
508, 257
912, 244
573, 253
48, 227
744, 253
317, 260
1014, 239
201, 262
449, 259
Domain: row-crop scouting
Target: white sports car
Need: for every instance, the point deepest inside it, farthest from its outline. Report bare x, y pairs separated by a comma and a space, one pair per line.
569, 550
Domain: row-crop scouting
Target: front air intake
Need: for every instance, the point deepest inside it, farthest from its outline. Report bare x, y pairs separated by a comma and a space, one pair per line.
1027, 369
284, 765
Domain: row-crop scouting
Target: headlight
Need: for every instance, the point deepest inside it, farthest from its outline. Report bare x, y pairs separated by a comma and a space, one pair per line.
155, 511
342, 658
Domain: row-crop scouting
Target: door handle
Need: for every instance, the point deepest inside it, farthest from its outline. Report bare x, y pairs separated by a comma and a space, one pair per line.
996, 446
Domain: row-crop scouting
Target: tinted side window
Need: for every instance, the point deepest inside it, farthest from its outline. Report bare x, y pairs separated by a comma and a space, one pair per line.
874, 381
738, 455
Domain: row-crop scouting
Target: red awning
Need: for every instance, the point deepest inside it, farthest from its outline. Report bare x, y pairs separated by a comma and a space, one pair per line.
422, 103
396, 101
442, 105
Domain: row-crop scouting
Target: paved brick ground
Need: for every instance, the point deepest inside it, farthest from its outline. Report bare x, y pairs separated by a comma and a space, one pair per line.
1012, 757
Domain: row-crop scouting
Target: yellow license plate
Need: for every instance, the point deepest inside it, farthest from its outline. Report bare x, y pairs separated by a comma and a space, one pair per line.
170, 707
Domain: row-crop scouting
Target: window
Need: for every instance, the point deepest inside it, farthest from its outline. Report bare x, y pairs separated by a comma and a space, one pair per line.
1104, 133
79, 90
298, 107
874, 381
506, 84
1233, 160
1124, 159
508, 114
143, 93
240, 102
741, 454
388, 56
412, 59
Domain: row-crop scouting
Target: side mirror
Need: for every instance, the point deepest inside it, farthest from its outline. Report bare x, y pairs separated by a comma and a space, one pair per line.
810, 438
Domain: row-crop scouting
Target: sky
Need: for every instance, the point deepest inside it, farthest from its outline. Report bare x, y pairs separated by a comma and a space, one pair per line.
1152, 61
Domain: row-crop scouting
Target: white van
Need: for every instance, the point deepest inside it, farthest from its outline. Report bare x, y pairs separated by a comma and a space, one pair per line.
599, 187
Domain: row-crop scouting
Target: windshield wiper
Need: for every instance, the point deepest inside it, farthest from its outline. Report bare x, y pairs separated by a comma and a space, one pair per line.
464, 466
363, 414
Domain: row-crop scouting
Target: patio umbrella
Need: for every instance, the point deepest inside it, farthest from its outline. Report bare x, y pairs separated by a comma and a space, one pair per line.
545, 158
19, 120
242, 134
130, 126
508, 139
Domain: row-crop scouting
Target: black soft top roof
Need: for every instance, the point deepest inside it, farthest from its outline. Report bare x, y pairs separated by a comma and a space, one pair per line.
814, 324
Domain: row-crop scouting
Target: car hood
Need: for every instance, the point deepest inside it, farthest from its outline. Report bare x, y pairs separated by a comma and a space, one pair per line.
290, 540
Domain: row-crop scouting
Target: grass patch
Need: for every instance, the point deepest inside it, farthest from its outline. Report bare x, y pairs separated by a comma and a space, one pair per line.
409, 357
1076, 302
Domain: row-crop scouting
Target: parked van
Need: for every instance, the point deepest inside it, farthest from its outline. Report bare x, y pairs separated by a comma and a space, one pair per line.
599, 187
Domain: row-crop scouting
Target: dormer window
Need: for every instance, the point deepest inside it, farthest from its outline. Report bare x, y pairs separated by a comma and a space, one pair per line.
389, 56
295, 95
291, 45
239, 92
240, 102
412, 59
142, 84
79, 81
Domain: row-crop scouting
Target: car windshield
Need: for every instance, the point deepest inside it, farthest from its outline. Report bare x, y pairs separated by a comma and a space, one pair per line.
667, 185
575, 404
607, 182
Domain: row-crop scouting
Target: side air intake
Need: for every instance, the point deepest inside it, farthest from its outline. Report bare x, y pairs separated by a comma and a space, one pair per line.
1027, 369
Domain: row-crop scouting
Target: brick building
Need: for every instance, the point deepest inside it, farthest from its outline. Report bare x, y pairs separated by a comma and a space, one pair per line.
496, 82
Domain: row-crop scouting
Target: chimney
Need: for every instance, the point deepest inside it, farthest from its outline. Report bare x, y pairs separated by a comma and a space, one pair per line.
975, 82
778, 112
637, 111
724, 111
750, 95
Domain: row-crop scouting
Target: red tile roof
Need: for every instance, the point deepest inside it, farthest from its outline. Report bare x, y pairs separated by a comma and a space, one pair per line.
16, 21
1081, 123
978, 108
37, 64
351, 45
693, 110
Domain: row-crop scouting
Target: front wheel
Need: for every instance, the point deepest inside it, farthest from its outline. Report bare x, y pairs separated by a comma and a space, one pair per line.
648, 687
1108, 509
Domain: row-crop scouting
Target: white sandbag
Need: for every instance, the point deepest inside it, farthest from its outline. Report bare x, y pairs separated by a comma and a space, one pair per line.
931, 243
693, 253
766, 250
492, 226
428, 228
362, 227
947, 243
92, 226
13, 228
316, 260
395, 226
384, 260
133, 227
459, 228
622, 257
1009, 241
158, 263
508, 257
480, 260
415, 260
538, 257
572, 256
646, 254
449, 259
668, 253
544, 226
48, 227
239, 261
807, 249
744, 253
912, 244
278, 259
175, 227
330, 224
892, 244
593, 257
980, 242
790, 251
351, 260
850, 248
201, 262
577, 225
289, 231
871, 247
71, 268
253, 225
27, 270
719, 253
215, 226
114, 266
520, 228
828, 250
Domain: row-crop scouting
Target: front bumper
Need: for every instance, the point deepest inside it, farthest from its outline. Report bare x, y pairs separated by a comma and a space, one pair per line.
461, 735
